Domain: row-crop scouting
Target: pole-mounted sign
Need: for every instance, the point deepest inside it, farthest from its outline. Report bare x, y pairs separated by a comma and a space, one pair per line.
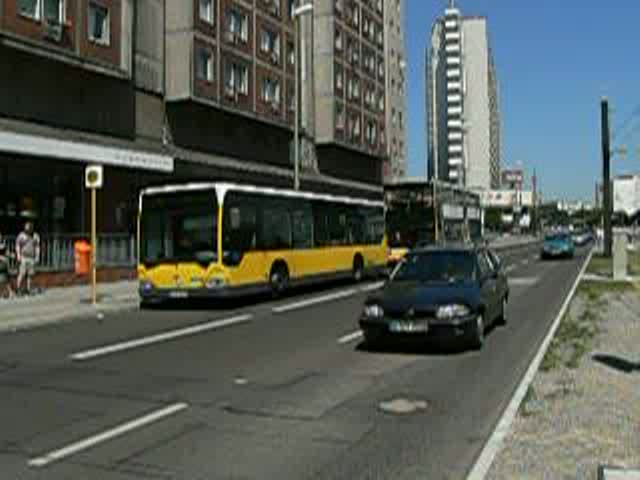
93, 180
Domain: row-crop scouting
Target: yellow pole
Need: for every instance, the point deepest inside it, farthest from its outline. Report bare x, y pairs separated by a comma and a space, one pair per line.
94, 245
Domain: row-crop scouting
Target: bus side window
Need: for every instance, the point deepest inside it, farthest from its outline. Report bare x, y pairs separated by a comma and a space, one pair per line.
276, 226
357, 225
320, 212
337, 225
302, 219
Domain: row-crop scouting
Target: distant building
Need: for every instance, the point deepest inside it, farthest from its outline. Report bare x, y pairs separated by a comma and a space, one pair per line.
463, 108
512, 179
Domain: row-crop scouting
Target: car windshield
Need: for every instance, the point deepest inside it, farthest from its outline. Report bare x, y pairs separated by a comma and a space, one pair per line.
436, 267
556, 238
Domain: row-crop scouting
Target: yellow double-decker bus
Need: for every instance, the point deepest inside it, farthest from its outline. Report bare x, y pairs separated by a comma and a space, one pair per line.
221, 239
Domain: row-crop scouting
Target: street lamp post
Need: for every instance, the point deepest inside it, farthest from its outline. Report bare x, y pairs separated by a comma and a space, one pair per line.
297, 13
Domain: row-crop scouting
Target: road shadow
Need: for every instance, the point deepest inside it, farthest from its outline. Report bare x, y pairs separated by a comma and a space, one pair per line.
243, 301
616, 363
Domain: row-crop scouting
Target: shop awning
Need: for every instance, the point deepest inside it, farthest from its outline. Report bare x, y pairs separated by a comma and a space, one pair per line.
35, 145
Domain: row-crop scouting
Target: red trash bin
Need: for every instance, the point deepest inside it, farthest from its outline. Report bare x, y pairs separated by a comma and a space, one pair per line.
82, 251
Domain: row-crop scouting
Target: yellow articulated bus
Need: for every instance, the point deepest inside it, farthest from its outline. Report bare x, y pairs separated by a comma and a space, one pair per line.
221, 239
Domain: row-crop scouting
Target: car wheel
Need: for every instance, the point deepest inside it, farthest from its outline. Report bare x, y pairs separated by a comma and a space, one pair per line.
278, 280
502, 319
477, 333
372, 338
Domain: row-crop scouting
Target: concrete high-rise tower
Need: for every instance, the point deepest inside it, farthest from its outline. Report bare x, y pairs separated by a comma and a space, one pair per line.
463, 109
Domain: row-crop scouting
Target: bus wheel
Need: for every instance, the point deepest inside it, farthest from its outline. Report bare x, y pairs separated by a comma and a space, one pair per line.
358, 268
278, 279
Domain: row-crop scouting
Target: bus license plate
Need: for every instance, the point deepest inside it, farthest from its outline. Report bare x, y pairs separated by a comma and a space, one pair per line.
178, 294
408, 327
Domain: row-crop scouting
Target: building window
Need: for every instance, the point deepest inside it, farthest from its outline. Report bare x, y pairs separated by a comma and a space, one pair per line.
291, 8
371, 133
291, 49
354, 127
51, 10
379, 6
206, 11
339, 77
238, 26
339, 39
236, 79
273, 6
338, 6
204, 64
381, 68
339, 117
353, 89
99, 31
29, 8
381, 102
380, 36
271, 91
394, 117
270, 44
54, 11
400, 120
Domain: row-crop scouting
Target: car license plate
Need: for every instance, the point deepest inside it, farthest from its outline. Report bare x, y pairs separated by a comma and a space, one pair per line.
398, 326
178, 294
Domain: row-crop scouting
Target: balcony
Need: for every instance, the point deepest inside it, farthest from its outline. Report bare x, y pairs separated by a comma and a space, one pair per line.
455, 162
452, 36
455, 136
454, 111
454, 73
455, 148
454, 60
451, 24
456, 98
454, 124
453, 86
453, 175
453, 48
452, 13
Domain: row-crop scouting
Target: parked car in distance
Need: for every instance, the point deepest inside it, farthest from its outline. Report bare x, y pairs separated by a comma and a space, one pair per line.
439, 293
558, 245
582, 237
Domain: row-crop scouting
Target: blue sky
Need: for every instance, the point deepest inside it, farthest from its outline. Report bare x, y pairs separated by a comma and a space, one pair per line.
555, 60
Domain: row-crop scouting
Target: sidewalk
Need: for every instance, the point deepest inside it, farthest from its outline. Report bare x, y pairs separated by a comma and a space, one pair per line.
66, 303
580, 417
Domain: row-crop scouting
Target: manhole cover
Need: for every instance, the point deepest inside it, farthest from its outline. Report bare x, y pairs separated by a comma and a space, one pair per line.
402, 406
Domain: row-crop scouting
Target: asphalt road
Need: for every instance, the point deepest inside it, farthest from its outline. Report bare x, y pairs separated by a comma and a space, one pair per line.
268, 390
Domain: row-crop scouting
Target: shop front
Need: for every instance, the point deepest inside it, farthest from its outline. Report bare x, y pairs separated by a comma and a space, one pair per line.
42, 180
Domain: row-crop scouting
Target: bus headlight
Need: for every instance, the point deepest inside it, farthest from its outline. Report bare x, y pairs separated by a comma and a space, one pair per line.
216, 282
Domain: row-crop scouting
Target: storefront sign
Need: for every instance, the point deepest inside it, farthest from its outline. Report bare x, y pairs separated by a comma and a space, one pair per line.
453, 212
83, 152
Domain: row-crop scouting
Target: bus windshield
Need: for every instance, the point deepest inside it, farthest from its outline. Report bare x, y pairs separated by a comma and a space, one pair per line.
179, 227
408, 227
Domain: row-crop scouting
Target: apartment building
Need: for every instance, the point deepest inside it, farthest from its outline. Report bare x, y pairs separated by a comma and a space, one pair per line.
396, 86
463, 109
166, 91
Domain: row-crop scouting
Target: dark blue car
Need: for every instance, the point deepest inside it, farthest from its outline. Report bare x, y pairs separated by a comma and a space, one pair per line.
439, 293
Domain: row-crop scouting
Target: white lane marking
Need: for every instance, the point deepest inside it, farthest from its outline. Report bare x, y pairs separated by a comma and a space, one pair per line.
510, 268
160, 337
314, 301
81, 445
351, 337
523, 281
524, 262
495, 441
373, 286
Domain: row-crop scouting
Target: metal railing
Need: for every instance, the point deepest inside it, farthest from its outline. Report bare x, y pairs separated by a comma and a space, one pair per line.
57, 252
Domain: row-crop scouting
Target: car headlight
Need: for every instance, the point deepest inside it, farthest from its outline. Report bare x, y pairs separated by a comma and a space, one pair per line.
452, 311
373, 311
146, 286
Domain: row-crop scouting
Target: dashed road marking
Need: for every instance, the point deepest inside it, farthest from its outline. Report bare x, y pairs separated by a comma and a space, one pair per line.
94, 440
350, 337
314, 301
160, 337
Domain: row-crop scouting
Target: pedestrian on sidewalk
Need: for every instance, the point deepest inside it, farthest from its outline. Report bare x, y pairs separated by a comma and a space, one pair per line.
5, 281
27, 254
